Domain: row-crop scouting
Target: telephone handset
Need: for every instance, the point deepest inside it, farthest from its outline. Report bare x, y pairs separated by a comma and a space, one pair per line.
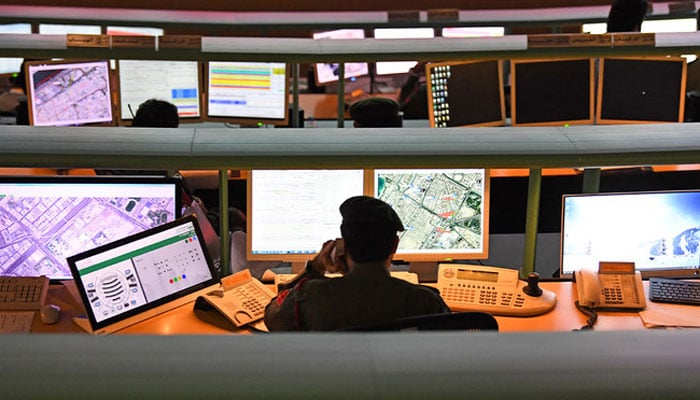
616, 285
241, 298
492, 289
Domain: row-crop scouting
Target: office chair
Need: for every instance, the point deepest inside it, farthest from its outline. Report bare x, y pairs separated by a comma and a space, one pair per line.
469, 321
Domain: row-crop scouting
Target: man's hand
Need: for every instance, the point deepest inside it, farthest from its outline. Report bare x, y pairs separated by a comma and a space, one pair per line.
328, 260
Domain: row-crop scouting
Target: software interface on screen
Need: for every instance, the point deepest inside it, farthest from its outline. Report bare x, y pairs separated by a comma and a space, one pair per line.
69, 93
400, 67
444, 211
293, 212
552, 92
247, 90
466, 93
655, 230
124, 279
44, 221
627, 95
174, 81
328, 72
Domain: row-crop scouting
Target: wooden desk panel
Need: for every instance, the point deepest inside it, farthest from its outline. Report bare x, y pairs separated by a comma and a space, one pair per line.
180, 321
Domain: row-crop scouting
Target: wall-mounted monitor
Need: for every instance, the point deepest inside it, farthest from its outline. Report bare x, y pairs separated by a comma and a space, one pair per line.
247, 93
641, 90
45, 219
399, 67
12, 65
64, 29
445, 211
69, 93
555, 92
291, 213
669, 25
178, 82
326, 73
473, 31
134, 31
466, 93
659, 231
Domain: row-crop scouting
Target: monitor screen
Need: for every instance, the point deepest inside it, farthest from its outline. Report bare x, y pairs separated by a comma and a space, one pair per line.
63, 29
177, 82
400, 67
552, 92
134, 31
445, 211
626, 94
466, 93
45, 219
12, 65
291, 213
127, 281
247, 92
69, 93
473, 31
658, 231
328, 72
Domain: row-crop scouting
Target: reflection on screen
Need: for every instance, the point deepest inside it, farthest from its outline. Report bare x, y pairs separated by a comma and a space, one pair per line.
174, 81
328, 72
655, 230
247, 90
43, 221
400, 67
64, 93
292, 212
444, 211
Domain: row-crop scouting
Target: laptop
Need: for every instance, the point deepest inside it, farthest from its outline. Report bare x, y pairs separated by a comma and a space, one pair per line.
143, 275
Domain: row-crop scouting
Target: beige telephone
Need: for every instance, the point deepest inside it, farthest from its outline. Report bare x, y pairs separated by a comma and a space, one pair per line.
616, 285
241, 298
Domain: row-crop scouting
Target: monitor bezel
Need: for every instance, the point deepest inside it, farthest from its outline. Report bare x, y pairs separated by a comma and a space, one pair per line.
126, 318
677, 272
591, 93
247, 121
183, 119
100, 179
31, 94
429, 82
681, 90
409, 256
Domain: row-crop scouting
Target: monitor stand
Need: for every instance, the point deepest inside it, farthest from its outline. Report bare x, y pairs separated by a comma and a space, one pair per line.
426, 270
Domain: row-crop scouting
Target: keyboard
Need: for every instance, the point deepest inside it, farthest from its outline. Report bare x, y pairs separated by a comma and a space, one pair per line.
674, 291
22, 293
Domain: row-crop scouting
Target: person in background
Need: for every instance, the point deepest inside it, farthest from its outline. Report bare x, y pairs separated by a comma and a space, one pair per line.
376, 112
154, 113
366, 293
413, 96
626, 15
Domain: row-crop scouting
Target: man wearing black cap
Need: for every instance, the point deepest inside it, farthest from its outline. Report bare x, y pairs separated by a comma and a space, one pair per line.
366, 294
376, 112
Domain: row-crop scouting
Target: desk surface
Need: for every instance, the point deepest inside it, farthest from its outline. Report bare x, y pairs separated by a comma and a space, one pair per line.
182, 320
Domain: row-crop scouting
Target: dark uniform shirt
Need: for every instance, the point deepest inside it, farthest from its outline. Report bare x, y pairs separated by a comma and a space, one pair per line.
366, 295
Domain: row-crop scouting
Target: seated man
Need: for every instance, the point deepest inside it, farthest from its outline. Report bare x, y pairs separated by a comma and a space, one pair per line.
367, 293
376, 112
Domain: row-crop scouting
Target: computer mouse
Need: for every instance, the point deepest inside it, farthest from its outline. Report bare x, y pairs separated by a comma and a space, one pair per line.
50, 314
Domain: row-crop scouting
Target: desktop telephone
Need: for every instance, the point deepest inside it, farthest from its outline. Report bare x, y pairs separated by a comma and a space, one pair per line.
241, 298
491, 289
616, 285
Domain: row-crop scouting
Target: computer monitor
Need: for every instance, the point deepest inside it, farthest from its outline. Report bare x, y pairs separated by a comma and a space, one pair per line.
399, 67
69, 93
553, 92
326, 73
445, 211
142, 275
641, 90
473, 31
178, 82
247, 93
291, 213
134, 31
44, 219
466, 93
12, 65
659, 231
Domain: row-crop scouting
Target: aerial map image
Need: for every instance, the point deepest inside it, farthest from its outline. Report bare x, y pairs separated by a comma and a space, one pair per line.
440, 209
37, 234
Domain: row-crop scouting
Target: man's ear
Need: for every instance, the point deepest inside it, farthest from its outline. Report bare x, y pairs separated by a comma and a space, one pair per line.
396, 245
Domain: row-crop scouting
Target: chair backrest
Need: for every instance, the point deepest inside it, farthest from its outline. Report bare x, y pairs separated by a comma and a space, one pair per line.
469, 321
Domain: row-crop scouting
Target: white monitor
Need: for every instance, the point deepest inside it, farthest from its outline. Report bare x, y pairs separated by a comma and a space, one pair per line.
134, 31
292, 212
400, 67
473, 31
63, 29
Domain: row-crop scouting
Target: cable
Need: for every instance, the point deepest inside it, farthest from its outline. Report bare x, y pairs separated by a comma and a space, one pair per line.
590, 313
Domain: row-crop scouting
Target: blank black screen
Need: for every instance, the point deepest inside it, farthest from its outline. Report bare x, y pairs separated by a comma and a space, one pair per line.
641, 90
474, 93
552, 91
